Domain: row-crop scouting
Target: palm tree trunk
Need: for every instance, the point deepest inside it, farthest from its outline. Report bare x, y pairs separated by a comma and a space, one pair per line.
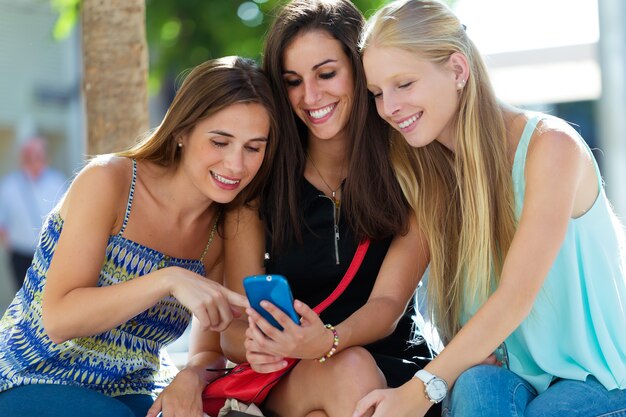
115, 59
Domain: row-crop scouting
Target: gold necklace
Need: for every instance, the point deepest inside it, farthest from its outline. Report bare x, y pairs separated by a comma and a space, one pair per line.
333, 192
336, 204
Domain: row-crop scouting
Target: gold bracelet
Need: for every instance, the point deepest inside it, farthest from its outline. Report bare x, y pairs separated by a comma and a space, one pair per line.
333, 349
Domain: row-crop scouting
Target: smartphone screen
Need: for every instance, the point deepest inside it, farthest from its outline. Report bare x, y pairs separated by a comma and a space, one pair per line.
272, 288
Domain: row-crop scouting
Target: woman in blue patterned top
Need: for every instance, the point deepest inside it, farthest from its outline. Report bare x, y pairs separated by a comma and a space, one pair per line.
526, 254
131, 252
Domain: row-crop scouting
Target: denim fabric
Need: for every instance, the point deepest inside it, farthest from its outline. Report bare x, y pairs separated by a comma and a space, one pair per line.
53, 400
491, 391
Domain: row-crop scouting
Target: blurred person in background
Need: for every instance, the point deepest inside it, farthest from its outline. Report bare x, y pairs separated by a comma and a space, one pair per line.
26, 196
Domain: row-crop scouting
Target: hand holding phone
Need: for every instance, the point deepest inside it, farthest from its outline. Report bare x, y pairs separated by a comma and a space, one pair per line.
272, 288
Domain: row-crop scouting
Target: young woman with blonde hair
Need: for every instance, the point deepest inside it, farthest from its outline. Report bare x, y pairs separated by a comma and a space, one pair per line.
525, 251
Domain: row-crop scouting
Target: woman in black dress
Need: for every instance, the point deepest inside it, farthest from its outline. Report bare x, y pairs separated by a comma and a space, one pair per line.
332, 186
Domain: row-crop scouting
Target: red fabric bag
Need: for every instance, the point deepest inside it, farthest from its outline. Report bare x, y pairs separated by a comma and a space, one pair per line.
248, 386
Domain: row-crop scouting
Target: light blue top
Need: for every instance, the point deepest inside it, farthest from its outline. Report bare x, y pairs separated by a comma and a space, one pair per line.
577, 326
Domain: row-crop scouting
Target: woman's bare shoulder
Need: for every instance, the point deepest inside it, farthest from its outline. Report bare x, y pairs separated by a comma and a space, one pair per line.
104, 180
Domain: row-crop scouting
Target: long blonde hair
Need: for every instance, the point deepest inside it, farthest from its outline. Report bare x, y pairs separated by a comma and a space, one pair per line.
464, 199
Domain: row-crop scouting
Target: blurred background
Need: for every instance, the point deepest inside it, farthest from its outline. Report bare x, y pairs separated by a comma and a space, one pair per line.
564, 57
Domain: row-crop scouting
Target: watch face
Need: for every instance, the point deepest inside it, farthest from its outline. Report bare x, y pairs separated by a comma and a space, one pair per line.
437, 389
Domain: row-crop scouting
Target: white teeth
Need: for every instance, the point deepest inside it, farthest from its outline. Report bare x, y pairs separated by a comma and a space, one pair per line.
318, 114
225, 180
408, 122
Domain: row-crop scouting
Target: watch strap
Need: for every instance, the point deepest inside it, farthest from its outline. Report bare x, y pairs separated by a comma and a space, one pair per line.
424, 376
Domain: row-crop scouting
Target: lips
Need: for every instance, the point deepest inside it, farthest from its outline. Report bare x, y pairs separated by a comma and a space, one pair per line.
229, 182
321, 114
408, 122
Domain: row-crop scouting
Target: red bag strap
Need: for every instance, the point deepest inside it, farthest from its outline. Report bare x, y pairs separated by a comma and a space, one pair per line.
361, 250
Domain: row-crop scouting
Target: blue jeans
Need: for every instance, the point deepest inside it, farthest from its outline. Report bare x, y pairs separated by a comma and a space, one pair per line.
50, 400
492, 391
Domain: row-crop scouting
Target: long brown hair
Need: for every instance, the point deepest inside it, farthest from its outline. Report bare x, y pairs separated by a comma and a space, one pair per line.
207, 89
372, 198
463, 200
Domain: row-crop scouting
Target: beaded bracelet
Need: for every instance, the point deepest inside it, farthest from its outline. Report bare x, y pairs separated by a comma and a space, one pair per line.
333, 349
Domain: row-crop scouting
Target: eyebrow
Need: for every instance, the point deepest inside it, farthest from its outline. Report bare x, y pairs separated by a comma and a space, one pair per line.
316, 66
222, 133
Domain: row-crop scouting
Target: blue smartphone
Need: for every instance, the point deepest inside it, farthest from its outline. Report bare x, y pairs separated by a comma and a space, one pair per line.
272, 288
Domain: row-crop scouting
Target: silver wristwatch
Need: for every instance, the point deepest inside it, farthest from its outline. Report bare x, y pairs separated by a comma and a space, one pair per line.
434, 387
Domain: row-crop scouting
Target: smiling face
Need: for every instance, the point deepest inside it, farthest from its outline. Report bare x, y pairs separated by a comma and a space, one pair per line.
319, 81
223, 152
416, 97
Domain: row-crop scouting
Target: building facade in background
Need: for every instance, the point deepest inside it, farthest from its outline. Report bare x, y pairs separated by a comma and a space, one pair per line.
39, 86
40, 94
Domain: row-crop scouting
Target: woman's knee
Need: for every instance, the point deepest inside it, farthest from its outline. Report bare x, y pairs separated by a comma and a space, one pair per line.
465, 394
485, 389
347, 376
475, 377
578, 399
357, 364
337, 384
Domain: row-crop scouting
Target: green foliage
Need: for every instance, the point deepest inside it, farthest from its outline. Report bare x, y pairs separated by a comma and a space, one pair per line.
184, 33
68, 16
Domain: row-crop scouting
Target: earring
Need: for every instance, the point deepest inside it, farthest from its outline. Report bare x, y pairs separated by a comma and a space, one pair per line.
460, 85
180, 144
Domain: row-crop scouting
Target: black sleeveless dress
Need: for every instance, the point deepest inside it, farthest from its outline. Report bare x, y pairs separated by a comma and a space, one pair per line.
315, 267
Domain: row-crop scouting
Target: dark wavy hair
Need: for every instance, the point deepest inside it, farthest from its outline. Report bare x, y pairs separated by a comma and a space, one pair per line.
372, 199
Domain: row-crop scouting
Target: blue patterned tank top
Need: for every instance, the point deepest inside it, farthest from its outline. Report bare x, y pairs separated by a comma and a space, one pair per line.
128, 359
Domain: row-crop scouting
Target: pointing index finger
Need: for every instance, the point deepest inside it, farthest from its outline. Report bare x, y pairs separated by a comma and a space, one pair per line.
235, 298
